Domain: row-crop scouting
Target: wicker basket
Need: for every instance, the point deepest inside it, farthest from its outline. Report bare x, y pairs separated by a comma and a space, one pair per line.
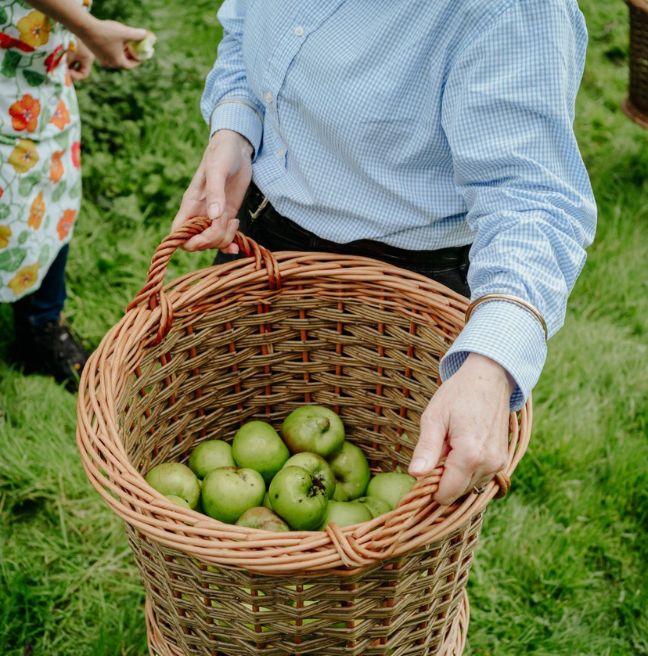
256, 338
636, 104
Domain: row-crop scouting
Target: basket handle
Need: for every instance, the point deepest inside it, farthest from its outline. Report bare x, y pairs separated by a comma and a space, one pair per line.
152, 293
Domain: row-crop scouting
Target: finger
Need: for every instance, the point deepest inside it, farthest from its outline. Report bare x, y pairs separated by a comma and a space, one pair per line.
134, 33
230, 232
193, 200
189, 207
460, 466
211, 237
430, 445
214, 188
232, 249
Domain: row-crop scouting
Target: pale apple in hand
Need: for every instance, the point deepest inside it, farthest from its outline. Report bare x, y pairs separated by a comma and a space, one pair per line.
228, 492
175, 479
318, 468
210, 455
313, 428
263, 519
257, 446
375, 506
345, 513
391, 487
351, 471
297, 500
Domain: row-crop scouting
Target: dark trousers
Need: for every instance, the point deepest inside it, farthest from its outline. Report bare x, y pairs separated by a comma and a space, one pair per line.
449, 266
46, 303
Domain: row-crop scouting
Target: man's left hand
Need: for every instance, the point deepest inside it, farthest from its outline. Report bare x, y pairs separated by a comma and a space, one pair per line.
467, 420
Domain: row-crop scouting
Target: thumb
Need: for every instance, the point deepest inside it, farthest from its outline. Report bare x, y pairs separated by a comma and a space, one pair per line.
430, 444
134, 33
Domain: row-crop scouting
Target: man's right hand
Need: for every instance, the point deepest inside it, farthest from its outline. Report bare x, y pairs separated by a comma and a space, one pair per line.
217, 191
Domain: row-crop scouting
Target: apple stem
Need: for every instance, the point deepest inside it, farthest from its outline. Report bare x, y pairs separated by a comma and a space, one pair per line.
323, 423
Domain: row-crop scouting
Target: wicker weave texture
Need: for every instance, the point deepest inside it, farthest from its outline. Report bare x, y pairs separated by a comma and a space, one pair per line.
454, 646
256, 338
636, 105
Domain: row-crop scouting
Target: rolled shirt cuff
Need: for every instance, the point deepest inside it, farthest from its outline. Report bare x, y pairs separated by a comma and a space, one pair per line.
507, 334
238, 115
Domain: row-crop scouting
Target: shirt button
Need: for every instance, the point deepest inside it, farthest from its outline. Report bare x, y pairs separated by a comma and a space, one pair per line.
281, 153
267, 96
299, 31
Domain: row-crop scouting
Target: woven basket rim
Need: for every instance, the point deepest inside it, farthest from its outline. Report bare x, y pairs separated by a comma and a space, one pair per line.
418, 520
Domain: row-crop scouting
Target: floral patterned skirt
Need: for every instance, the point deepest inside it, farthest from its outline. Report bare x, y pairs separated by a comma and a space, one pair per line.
40, 175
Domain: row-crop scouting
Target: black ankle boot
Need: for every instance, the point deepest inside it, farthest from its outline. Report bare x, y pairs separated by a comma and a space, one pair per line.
52, 350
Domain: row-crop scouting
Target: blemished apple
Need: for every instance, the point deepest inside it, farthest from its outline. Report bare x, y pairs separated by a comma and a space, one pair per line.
228, 492
297, 500
345, 513
351, 471
318, 468
263, 519
176, 479
210, 455
144, 49
375, 506
257, 446
179, 501
313, 428
391, 487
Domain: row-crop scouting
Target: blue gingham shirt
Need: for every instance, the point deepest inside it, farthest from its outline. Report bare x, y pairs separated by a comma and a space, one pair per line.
423, 124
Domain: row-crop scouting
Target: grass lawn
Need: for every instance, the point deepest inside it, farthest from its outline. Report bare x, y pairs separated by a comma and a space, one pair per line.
563, 562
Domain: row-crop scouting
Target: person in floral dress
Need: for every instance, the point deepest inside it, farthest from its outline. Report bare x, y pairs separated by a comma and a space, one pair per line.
44, 47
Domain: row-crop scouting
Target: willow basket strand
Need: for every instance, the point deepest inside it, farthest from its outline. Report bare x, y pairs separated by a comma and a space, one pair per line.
255, 338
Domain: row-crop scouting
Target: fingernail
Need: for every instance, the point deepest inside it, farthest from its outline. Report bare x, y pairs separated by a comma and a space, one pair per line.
418, 465
214, 210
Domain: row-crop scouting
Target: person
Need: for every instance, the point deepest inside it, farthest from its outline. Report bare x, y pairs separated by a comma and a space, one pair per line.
44, 47
416, 132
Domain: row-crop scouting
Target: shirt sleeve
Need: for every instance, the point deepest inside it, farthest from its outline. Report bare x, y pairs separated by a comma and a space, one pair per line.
508, 111
228, 102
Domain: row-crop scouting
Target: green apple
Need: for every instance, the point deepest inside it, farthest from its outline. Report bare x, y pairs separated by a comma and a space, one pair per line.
345, 513
257, 446
228, 492
391, 487
263, 519
175, 479
313, 428
266, 501
145, 48
375, 506
318, 468
351, 471
297, 499
179, 501
210, 455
